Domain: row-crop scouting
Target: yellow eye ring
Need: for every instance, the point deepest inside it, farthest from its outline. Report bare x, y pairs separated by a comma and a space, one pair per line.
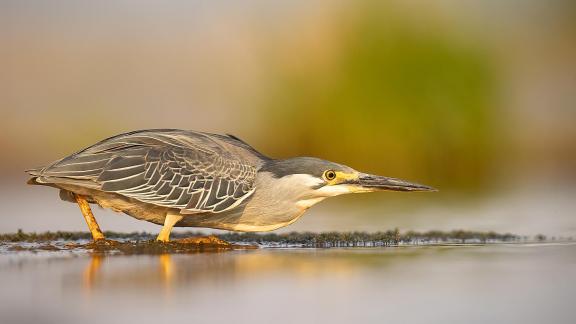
330, 175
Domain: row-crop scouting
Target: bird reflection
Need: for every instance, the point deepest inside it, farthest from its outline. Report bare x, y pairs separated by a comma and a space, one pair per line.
163, 274
148, 271
167, 271
171, 272
91, 271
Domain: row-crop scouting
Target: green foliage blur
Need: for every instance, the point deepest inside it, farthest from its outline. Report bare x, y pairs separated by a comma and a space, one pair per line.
397, 100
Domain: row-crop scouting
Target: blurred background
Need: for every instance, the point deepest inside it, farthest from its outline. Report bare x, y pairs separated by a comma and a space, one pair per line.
476, 98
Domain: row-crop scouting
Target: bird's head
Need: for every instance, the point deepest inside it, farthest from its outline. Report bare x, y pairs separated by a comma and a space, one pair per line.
316, 179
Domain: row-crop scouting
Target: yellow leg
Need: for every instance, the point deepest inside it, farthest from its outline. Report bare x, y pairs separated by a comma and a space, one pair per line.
169, 222
89, 217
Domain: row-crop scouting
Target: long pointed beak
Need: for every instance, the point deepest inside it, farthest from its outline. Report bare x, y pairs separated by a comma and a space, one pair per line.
369, 182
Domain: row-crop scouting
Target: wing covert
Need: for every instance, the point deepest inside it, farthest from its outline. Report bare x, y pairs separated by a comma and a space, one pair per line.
189, 180
192, 181
192, 171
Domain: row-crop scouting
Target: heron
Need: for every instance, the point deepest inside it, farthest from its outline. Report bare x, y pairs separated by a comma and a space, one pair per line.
184, 178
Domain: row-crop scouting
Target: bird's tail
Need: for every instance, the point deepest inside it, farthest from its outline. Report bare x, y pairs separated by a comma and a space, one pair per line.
34, 173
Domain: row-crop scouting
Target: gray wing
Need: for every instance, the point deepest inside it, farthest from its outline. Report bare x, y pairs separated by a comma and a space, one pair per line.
190, 171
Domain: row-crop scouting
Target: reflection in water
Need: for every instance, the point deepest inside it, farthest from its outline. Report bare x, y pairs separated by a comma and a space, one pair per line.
162, 275
94, 276
91, 271
167, 271
512, 283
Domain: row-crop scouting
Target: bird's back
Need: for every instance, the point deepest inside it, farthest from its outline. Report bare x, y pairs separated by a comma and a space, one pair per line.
186, 170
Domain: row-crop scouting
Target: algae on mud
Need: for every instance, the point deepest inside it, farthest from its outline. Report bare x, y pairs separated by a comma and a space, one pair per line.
188, 242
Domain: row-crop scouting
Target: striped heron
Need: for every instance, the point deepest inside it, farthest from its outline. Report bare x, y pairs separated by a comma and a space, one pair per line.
185, 178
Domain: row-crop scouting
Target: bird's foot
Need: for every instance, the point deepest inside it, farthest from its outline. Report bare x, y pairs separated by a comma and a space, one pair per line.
209, 242
103, 245
204, 240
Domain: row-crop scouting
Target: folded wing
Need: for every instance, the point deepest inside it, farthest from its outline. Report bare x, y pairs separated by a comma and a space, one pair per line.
192, 172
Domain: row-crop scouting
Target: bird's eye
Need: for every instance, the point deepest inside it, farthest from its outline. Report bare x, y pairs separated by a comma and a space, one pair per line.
330, 175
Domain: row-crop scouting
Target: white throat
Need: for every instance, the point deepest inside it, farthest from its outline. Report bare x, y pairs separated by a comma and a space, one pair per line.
320, 194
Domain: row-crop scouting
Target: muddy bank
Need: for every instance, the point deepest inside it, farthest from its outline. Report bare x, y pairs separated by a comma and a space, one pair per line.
197, 242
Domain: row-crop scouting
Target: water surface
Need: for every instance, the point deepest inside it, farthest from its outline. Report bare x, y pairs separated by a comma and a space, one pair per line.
451, 284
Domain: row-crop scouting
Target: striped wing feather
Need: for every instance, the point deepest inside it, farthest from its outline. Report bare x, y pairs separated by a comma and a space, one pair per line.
155, 170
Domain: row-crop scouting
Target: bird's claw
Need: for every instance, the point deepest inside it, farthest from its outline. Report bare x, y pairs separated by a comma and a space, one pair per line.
203, 240
104, 242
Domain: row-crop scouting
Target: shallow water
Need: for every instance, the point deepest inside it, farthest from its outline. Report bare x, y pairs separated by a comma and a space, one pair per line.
453, 284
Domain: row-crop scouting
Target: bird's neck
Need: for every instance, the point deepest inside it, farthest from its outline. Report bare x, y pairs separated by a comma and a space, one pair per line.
279, 201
